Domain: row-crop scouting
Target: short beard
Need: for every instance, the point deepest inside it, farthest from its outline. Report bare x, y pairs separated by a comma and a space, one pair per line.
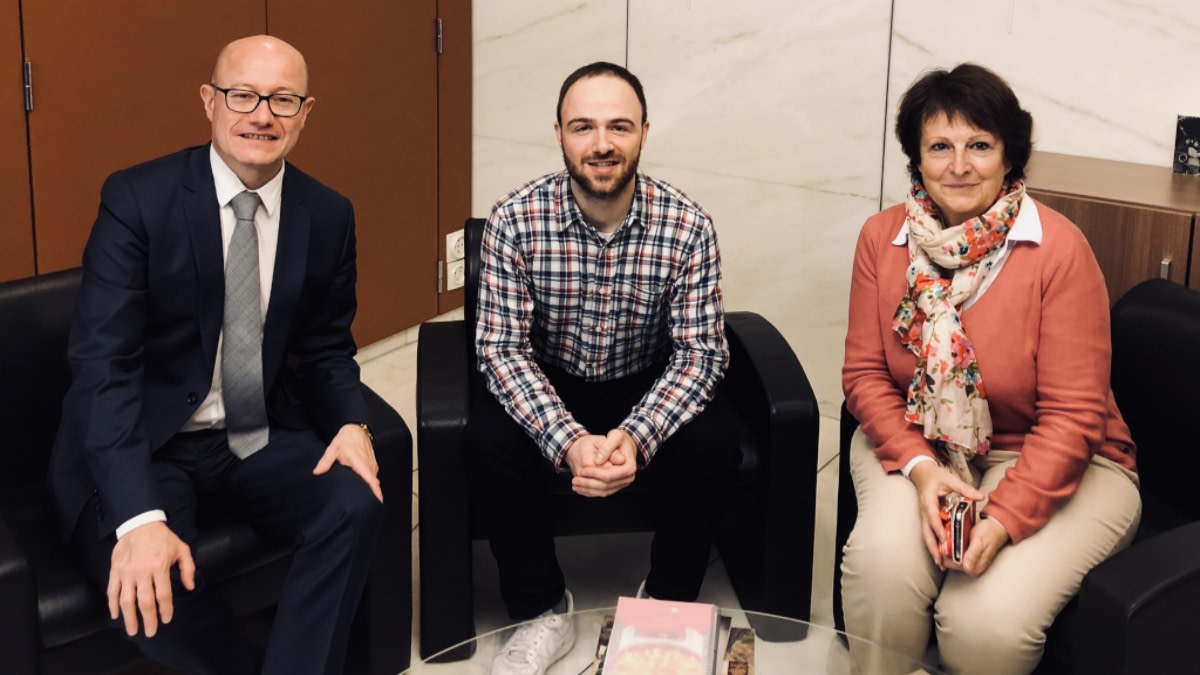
596, 192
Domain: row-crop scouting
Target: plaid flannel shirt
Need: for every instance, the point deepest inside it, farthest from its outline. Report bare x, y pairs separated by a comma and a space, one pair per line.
552, 290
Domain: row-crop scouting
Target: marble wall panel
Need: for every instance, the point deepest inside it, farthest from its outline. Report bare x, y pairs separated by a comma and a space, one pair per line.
770, 115
786, 253
777, 115
1102, 78
500, 166
776, 91
523, 49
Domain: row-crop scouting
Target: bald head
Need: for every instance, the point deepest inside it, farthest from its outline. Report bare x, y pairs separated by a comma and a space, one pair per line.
260, 48
253, 135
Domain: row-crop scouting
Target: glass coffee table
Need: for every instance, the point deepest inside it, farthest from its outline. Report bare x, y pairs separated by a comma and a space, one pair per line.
781, 645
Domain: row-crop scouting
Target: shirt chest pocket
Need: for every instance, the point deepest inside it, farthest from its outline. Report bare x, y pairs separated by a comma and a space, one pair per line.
642, 299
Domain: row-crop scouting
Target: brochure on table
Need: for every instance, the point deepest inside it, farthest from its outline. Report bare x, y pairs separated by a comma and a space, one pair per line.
671, 638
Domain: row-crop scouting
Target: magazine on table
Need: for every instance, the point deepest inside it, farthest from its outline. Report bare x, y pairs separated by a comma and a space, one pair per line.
671, 638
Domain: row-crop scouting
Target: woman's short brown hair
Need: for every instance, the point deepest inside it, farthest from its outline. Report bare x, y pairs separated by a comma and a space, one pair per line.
972, 93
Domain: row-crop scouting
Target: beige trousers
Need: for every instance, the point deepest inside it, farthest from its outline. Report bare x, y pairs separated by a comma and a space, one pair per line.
894, 595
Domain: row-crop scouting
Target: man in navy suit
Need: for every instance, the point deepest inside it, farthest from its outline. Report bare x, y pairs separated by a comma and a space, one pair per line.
143, 443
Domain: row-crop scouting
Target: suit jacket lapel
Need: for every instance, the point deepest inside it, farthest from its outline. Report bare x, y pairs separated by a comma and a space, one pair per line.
204, 228
291, 257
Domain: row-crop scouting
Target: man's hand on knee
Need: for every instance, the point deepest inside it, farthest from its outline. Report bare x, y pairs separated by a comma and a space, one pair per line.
601, 465
352, 448
140, 578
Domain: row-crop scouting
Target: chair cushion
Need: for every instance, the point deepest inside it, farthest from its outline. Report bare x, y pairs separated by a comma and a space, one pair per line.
1155, 330
70, 607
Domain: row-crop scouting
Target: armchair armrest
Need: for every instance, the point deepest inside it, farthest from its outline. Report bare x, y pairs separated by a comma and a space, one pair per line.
385, 610
443, 403
764, 368
1137, 609
769, 387
18, 611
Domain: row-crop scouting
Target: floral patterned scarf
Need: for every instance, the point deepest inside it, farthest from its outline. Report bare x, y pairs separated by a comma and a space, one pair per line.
946, 396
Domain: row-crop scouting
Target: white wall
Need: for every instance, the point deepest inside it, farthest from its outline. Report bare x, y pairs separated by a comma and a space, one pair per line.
776, 115
1102, 78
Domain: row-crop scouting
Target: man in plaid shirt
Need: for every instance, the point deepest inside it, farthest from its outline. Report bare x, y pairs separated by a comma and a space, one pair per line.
601, 334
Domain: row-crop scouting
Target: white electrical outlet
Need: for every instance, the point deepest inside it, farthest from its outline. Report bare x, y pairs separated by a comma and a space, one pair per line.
456, 274
456, 246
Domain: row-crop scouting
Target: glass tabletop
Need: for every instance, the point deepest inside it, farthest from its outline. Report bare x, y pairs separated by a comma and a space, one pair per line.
781, 645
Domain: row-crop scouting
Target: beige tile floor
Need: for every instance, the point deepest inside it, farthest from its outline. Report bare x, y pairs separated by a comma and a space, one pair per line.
599, 568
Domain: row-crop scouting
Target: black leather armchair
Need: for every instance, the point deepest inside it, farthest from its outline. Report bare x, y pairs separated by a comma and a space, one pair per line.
1136, 612
765, 541
52, 620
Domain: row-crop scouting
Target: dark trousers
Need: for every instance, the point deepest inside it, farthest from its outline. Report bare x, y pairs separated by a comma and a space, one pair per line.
509, 479
332, 520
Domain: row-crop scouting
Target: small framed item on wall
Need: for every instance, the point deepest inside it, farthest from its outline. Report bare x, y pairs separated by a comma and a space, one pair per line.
1187, 146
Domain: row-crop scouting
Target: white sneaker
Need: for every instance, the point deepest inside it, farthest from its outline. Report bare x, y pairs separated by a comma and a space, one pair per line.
538, 643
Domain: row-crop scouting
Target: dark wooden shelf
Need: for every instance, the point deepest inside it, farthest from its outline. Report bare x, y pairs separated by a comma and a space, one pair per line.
1140, 219
1121, 182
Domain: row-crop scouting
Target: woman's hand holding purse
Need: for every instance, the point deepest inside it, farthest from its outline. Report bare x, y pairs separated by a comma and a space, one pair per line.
933, 483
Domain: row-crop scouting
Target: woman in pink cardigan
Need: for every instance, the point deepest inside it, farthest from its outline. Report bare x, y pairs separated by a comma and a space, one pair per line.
977, 363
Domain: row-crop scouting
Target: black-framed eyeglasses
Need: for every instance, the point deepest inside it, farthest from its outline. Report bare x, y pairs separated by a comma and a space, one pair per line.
246, 101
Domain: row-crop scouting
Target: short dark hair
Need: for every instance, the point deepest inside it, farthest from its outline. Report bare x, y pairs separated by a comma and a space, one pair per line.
601, 68
972, 93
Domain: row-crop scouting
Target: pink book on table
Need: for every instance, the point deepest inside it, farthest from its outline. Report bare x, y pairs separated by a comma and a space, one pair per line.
662, 636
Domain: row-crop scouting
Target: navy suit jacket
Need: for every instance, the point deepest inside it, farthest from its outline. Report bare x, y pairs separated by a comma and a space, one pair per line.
144, 339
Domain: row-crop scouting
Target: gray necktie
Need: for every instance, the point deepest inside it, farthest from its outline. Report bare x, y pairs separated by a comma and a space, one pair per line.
241, 351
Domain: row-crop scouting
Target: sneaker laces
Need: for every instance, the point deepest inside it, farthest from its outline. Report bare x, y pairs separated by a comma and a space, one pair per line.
526, 642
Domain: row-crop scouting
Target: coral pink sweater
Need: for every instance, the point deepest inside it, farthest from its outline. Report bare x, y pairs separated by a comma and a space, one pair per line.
1041, 335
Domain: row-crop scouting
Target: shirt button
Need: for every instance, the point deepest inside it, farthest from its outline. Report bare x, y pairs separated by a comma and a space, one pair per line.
192, 398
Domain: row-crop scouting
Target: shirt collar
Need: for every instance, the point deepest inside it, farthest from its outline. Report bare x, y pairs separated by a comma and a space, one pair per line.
1027, 227
569, 208
228, 185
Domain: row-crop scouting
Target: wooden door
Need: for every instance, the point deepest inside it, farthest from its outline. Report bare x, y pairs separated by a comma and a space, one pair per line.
1130, 242
16, 227
454, 130
115, 83
372, 136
